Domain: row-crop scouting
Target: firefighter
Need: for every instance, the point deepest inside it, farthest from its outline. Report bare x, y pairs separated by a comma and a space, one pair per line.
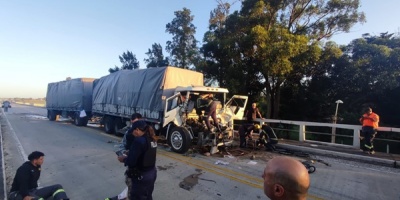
370, 124
24, 186
141, 161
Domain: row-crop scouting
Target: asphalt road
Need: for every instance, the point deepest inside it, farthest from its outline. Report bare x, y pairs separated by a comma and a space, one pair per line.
83, 161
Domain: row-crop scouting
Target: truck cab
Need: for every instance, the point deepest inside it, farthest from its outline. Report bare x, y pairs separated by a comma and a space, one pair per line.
185, 113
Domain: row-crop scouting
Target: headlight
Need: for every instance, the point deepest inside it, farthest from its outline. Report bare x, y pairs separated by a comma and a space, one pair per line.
156, 126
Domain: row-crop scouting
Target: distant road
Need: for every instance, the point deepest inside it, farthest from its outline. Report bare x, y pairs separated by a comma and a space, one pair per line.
83, 161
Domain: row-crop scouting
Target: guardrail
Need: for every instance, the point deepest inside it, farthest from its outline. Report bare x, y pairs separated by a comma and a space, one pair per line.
342, 135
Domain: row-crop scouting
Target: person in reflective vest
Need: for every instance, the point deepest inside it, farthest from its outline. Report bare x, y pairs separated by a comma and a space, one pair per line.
370, 124
25, 186
141, 161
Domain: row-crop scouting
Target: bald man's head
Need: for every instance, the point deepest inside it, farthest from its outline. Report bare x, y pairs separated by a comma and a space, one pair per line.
285, 178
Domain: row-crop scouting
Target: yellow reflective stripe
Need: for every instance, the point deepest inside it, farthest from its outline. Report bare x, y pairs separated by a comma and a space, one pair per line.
58, 191
369, 147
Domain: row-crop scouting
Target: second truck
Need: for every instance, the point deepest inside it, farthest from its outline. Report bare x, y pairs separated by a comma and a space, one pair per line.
168, 98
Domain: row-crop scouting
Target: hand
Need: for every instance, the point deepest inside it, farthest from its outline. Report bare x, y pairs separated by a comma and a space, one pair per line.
28, 198
121, 158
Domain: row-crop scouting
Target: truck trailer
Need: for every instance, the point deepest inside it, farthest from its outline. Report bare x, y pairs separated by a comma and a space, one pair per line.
170, 99
70, 98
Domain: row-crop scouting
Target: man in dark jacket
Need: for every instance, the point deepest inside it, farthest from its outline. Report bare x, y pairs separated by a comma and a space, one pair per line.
24, 186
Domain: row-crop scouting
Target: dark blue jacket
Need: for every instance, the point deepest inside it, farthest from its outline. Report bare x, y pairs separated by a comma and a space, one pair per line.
26, 178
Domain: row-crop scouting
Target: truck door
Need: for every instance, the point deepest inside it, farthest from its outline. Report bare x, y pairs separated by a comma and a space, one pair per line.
171, 109
236, 106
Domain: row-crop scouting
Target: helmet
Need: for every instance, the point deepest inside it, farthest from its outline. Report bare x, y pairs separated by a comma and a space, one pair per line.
257, 126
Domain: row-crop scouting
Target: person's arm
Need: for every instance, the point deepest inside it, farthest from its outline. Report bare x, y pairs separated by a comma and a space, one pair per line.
258, 112
375, 118
135, 151
22, 178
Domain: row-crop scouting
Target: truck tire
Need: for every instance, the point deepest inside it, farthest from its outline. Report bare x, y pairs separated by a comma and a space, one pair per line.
51, 115
179, 139
80, 121
118, 124
109, 125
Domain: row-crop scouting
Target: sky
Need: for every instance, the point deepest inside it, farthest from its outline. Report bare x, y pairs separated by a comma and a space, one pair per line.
46, 41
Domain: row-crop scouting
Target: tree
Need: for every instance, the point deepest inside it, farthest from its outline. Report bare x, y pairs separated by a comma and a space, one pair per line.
128, 61
156, 57
366, 72
183, 47
272, 39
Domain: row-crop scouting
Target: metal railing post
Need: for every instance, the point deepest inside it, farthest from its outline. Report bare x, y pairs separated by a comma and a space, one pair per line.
356, 138
302, 132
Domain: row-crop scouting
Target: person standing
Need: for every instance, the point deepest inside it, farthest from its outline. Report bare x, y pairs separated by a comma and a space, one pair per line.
141, 161
25, 186
370, 124
286, 178
128, 137
127, 141
253, 113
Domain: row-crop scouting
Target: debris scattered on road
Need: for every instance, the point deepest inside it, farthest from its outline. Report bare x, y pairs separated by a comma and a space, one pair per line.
229, 156
252, 162
164, 168
220, 162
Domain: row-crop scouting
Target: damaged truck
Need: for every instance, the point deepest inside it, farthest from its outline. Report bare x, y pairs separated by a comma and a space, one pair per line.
170, 99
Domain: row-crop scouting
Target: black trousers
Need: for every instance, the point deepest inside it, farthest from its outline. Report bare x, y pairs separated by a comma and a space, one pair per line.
142, 187
56, 191
369, 135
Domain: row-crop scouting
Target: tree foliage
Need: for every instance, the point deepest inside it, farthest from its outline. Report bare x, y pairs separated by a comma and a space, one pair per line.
365, 72
156, 57
128, 61
183, 47
269, 42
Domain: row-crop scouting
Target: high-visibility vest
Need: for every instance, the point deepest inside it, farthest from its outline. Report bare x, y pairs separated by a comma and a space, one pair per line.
370, 122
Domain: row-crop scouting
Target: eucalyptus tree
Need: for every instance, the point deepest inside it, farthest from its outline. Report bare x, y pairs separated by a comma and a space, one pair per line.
128, 61
156, 57
269, 39
183, 47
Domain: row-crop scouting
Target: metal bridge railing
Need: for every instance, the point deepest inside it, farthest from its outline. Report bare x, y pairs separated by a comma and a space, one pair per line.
342, 135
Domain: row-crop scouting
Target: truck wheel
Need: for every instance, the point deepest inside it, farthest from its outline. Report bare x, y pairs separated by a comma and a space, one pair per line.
179, 140
117, 126
51, 115
109, 125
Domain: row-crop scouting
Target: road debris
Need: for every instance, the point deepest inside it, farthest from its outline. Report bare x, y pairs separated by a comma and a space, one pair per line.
220, 162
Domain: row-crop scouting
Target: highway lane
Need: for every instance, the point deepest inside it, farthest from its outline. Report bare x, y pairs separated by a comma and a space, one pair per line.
82, 159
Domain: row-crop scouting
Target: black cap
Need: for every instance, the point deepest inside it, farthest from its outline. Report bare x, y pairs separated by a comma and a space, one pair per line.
136, 116
140, 124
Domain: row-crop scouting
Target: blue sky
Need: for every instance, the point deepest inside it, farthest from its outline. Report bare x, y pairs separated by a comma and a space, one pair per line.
46, 41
